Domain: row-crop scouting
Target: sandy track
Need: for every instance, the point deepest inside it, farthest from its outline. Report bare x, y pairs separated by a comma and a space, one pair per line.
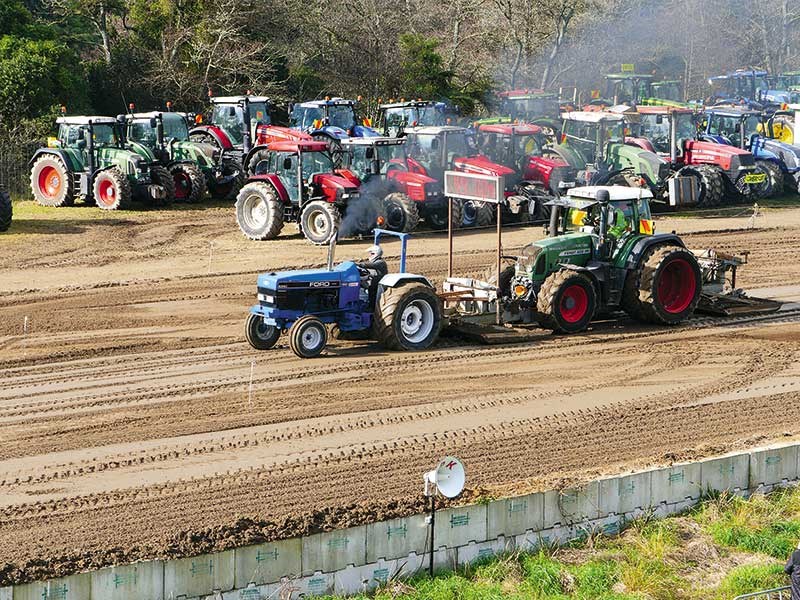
129, 431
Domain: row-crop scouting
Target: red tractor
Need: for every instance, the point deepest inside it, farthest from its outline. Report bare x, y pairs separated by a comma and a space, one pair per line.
671, 132
295, 181
398, 194
434, 150
521, 147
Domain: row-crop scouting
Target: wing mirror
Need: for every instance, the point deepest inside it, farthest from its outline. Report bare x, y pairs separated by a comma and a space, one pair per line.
287, 163
611, 216
153, 122
435, 144
231, 111
370, 153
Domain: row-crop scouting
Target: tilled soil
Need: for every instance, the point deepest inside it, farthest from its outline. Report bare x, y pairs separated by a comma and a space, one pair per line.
137, 423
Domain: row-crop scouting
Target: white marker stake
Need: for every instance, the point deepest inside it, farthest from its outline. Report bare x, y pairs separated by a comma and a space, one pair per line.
210, 253
250, 394
25, 335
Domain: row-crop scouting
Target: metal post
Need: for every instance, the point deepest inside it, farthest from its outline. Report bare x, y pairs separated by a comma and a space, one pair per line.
499, 254
449, 237
433, 529
403, 240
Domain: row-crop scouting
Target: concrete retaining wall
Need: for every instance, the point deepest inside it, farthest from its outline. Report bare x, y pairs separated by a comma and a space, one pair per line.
360, 558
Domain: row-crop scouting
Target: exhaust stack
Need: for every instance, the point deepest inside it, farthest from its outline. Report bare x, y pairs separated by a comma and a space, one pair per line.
332, 250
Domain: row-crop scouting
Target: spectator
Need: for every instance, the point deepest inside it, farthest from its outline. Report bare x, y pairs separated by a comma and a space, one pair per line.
792, 569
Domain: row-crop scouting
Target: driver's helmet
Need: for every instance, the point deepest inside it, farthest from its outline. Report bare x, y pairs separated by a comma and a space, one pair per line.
374, 253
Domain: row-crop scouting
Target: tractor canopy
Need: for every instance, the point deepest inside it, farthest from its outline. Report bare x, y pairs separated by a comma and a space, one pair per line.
747, 84
395, 117
333, 117
655, 124
624, 88
529, 105
231, 113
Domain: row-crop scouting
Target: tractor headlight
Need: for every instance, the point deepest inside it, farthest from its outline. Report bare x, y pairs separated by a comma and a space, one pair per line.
266, 298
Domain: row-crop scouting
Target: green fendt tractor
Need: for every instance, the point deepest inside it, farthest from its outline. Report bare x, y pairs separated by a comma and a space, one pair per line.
166, 136
6, 211
601, 256
89, 159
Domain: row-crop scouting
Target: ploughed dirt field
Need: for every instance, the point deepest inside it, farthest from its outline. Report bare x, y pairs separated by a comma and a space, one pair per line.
129, 428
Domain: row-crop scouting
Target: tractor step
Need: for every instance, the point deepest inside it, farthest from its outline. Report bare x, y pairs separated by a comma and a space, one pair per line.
728, 305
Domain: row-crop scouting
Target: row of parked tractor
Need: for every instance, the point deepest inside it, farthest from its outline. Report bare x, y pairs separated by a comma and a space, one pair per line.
332, 170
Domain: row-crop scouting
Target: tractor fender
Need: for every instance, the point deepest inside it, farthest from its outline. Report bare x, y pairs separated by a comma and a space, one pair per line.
252, 153
62, 154
394, 280
362, 131
273, 180
336, 133
219, 135
643, 244
595, 272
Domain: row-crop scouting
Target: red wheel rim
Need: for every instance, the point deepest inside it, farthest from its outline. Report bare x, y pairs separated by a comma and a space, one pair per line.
574, 303
676, 286
107, 192
50, 182
182, 185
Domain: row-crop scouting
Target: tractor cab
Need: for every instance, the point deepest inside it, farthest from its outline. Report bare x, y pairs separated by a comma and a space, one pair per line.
627, 88
747, 85
528, 105
82, 132
374, 157
154, 129
733, 126
666, 128
438, 148
233, 122
329, 119
300, 166
395, 117
670, 90
588, 136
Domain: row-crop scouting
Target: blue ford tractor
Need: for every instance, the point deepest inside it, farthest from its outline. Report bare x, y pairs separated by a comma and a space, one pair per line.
742, 127
329, 120
361, 301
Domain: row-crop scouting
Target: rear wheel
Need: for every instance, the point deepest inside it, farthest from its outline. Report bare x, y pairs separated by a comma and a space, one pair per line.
50, 181
478, 214
408, 317
319, 221
112, 190
753, 191
190, 183
308, 337
400, 212
711, 183
259, 213
436, 218
5, 211
665, 287
567, 302
161, 176
775, 176
260, 335
258, 163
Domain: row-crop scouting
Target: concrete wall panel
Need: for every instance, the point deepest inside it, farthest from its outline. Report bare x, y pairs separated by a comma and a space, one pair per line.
675, 484
773, 465
363, 579
571, 505
459, 526
74, 587
396, 538
199, 575
268, 563
474, 552
624, 494
334, 550
728, 473
143, 581
515, 516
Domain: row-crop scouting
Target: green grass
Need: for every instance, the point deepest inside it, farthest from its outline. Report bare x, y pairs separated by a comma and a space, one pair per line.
739, 544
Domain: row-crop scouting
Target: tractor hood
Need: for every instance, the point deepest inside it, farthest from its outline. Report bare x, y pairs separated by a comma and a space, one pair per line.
548, 171
345, 273
337, 133
329, 180
572, 248
481, 165
788, 154
142, 150
266, 134
730, 158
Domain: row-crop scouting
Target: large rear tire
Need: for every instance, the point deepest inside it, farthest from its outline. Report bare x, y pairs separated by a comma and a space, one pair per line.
259, 213
190, 183
161, 176
775, 177
754, 191
319, 221
230, 189
408, 317
566, 302
308, 337
260, 335
478, 214
6, 210
258, 163
711, 183
400, 212
112, 190
51, 183
665, 287
436, 218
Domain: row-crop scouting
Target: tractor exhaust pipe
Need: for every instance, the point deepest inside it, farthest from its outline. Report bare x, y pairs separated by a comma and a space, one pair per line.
332, 250
673, 137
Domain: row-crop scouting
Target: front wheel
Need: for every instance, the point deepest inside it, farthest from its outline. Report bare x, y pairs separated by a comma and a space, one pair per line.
408, 317
308, 337
478, 214
190, 183
400, 212
260, 335
112, 190
567, 302
436, 217
319, 221
161, 176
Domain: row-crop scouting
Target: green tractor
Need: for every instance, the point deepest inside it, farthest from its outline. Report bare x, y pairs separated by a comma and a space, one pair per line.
166, 136
601, 256
6, 211
593, 142
90, 159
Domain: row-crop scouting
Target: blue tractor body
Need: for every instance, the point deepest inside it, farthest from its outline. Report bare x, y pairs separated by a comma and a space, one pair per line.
347, 296
739, 126
334, 118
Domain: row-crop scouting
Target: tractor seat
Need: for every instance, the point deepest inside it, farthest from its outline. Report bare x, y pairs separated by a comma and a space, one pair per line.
371, 275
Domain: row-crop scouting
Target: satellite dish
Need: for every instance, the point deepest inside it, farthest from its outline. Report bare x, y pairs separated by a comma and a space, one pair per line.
448, 477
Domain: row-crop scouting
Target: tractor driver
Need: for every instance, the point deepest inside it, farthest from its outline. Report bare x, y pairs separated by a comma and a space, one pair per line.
372, 271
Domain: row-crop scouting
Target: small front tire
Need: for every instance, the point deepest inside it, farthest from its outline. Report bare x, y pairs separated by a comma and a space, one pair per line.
308, 337
260, 335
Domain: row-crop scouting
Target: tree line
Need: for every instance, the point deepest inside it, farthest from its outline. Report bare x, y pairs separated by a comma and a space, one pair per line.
99, 55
